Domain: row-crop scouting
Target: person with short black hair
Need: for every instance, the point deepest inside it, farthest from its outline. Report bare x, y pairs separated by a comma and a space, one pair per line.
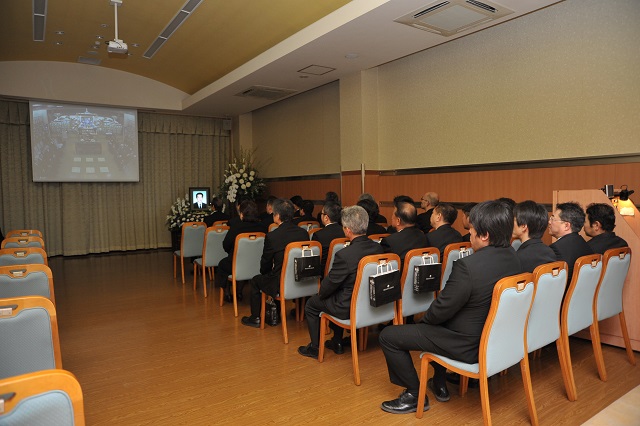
200, 203
377, 218
267, 216
443, 234
275, 244
466, 209
508, 201
599, 225
330, 216
334, 296
372, 209
407, 236
564, 224
216, 214
329, 196
530, 220
453, 324
306, 212
297, 205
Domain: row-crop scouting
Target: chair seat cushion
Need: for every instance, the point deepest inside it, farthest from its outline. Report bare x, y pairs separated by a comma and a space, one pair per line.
345, 322
471, 368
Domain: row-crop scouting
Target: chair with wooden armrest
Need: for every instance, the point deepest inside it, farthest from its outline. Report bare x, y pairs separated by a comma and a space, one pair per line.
23, 233
41, 397
503, 343
22, 256
26, 280
22, 242
212, 253
190, 244
29, 330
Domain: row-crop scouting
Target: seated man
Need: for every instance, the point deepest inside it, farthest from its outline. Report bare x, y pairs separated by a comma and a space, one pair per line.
443, 234
377, 218
306, 213
529, 223
466, 209
452, 326
407, 236
267, 215
334, 296
601, 219
428, 202
330, 216
564, 224
372, 209
217, 214
272, 258
329, 196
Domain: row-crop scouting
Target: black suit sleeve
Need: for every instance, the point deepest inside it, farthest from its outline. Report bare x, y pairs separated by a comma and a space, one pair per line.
337, 275
266, 261
385, 246
454, 296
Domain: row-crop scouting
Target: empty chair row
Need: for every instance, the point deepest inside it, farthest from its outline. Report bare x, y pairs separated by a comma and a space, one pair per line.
21, 256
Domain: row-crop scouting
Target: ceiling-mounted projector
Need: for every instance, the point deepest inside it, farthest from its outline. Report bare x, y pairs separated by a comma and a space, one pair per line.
116, 45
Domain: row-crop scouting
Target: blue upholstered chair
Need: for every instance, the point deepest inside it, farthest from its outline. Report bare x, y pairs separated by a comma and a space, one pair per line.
607, 302
23, 233
503, 344
51, 397
246, 262
414, 303
453, 252
26, 280
362, 314
378, 237
336, 245
190, 244
212, 254
22, 242
22, 256
29, 330
290, 289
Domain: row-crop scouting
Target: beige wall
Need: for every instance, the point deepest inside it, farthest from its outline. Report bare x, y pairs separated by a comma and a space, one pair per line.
299, 136
562, 82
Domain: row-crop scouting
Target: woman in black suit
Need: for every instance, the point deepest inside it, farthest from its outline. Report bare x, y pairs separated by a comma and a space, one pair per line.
249, 222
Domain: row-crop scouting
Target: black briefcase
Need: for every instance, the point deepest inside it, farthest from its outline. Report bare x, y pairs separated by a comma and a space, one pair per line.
426, 277
307, 266
384, 286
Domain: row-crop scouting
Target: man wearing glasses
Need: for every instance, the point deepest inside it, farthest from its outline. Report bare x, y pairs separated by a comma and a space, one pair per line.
428, 202
565, 223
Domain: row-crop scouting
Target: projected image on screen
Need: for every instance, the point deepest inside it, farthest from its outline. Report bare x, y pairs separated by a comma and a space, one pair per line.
74, 143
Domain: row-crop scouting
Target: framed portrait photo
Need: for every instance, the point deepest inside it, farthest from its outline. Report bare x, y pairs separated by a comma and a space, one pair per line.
199, 197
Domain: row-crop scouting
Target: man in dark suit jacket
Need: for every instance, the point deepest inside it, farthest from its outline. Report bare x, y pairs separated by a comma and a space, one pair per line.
601, 220
442, 218
530, 222
407, 236
466, 210
453, 324
428, 202
372, 209
330, 217
565, 223
267, 216
200, 202
336, 288
306, 213
217, 214
272, 258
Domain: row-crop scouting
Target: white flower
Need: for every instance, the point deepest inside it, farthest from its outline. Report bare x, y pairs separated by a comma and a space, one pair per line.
241, 181
241, 170
248, 184
243, 186
237, 175
244, 175
251, 178
252, 173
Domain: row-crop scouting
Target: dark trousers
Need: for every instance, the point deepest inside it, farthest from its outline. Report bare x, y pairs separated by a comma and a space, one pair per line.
312, 310
396, 342
264, 284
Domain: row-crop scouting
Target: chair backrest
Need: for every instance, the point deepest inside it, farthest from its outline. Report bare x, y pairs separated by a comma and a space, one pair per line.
42, 397
22, 242
608, 297
413, 303
273, 226
247, 254
544, 320
453, 252
378, 237
29, 330
516, 243
23, 233
289, 287
221, 223
313, 231
212, 251
192, 239
26, 280
361, 310
503, 338
577, 308
309, 224
22, 256
337, 244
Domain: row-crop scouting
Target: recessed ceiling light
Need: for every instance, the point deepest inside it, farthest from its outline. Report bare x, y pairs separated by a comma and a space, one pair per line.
97, 46
351, 55
99, 37
135, 45
104, 25
60, 32
58, 43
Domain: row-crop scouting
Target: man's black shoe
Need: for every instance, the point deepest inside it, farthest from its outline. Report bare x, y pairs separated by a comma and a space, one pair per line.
405, 403
441, 393
309, 351
336, 347
455, 379
251, 321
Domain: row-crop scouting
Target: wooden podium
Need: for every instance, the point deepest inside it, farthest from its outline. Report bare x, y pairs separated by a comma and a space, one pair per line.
627, 227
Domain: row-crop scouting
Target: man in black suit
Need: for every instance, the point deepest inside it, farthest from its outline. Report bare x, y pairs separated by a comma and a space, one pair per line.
217, 214
529, 223
466, 209
267, 216
200, 203
336, 288
306, 213
272, 258
453, 324
372, 209
329, 196
407, 236
565, 223
330, 216
428, 202
601, 219
443, 234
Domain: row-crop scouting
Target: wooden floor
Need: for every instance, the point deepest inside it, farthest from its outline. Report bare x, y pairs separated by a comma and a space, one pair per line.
148, 350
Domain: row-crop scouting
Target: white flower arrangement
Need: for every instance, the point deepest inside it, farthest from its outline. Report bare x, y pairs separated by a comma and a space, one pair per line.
181, 213
241, 179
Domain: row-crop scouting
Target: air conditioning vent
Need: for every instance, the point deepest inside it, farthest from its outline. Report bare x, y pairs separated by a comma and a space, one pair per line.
451, 17
88, 61
264, 92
